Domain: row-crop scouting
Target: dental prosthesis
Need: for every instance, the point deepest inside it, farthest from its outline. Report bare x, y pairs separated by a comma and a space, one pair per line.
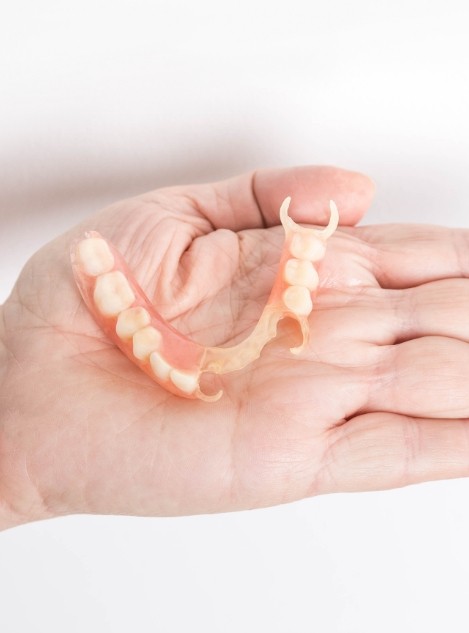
125, 314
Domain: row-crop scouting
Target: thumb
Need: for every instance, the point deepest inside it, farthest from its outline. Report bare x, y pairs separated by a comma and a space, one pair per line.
311, 188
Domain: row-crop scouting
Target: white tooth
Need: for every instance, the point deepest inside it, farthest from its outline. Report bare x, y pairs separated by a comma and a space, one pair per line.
112, 293
298, 300
160, 367
130, 321
184, 380
307, 247
146, 341
299, 272
95, 256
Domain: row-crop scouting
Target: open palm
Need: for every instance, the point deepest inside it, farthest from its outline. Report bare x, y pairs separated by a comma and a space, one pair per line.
378, 399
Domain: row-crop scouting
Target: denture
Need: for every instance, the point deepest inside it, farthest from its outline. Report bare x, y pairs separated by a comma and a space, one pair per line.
176, 363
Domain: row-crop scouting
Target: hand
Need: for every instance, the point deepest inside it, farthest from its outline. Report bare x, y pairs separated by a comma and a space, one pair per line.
378, 400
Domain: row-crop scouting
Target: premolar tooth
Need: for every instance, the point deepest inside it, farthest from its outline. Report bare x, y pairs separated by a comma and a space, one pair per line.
146, 341
307, 247
130, 321
298, 300
300, 272
184, 380
95, 256
112, 293
160, 367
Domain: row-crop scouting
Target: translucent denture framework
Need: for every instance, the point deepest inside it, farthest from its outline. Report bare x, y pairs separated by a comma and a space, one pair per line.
125, 314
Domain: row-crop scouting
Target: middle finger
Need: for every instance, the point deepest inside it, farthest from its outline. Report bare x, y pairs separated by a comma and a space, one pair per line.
384, 316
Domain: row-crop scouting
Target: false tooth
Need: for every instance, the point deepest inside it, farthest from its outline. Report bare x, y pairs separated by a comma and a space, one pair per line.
307, 247
299, 272
183, 380
146, 341
130, 321
95, 256
160, 367
112, 293
298, 300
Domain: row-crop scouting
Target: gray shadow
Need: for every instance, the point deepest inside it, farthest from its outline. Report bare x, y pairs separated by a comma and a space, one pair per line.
80, 183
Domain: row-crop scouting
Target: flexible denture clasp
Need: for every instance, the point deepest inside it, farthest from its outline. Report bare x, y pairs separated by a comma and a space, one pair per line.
126, 315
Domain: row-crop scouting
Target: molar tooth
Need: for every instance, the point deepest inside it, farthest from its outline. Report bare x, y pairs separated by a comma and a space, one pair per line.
300, 272
130, 321
160, 367
307, 247
183, 380
146, 341
95, 256
298, 300
112, 293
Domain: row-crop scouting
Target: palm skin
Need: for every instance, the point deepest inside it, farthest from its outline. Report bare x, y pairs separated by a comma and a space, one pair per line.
83, 430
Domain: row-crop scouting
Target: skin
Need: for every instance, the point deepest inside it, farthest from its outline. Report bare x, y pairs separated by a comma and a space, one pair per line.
378, 400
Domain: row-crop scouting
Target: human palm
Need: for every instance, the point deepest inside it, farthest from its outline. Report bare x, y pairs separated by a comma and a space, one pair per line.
84, 430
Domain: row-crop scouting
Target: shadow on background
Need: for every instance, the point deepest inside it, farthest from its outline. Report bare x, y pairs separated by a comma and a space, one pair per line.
42, 199
70, 182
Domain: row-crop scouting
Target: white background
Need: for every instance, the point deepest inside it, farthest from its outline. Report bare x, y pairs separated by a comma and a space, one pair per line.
100, 100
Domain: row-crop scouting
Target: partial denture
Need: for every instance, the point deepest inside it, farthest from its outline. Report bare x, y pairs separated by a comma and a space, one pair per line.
121, 308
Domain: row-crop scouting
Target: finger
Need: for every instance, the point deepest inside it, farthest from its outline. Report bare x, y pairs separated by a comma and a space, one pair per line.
424, 377
385, 317
376, 451
438, 308
253, 200
311, 189
408, 255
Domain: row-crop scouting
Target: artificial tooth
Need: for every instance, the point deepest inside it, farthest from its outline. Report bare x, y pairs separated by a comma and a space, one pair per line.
112, 293
300, 272
146, 341
298, 300
183, 380
95, 256
130, 321
309, 247
160, 367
